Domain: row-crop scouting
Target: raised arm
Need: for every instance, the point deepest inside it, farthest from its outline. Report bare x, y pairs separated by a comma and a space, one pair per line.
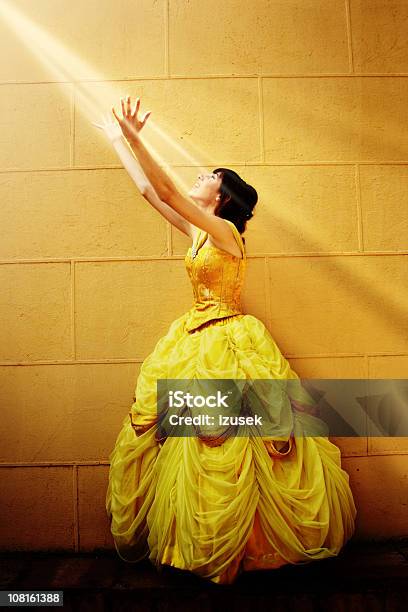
165, 187
132, 166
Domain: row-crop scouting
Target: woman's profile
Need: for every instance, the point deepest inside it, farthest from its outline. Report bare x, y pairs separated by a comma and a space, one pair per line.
219, 505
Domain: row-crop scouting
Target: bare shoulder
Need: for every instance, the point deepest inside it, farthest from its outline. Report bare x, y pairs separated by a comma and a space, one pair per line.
229, 245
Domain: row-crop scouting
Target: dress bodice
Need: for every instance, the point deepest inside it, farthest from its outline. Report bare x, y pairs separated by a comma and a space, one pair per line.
217, 278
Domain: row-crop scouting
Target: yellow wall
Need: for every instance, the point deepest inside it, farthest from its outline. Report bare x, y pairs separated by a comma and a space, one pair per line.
307, 99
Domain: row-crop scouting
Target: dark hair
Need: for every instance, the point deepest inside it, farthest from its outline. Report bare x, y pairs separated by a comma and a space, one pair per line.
238, 199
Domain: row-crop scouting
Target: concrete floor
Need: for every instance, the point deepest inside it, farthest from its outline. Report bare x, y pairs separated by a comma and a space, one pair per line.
369, 577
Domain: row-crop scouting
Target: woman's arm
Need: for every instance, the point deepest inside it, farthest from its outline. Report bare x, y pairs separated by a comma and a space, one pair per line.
181, 204
147, 190
162, 183
167, 212
131, 165
131, 126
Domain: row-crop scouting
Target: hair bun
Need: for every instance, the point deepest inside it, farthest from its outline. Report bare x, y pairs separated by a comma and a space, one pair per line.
242, 195
252, 195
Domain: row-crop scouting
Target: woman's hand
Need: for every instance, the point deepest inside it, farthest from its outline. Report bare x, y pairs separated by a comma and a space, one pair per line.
110, 127
130, 123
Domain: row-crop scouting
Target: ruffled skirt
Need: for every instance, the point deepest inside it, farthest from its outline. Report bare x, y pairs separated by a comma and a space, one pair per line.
247, 503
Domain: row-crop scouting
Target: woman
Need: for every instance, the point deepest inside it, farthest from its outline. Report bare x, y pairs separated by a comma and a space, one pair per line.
220, 504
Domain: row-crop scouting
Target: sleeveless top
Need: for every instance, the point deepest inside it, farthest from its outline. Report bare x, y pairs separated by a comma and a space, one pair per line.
217, 278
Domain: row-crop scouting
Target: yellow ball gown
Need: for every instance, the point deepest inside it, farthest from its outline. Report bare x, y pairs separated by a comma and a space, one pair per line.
245, 503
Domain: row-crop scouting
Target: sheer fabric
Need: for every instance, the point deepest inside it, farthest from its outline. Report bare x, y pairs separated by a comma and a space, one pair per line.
220, 507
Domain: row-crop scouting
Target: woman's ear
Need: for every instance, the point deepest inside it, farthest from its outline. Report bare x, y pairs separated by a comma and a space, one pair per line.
227, 198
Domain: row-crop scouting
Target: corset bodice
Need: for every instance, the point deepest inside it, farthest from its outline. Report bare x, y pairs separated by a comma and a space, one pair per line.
217, 278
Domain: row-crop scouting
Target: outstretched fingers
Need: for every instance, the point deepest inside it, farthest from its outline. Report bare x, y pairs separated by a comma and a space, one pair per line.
133, 113
129, 110
123, 107
103, 121
146, 116
137, 106
114, 112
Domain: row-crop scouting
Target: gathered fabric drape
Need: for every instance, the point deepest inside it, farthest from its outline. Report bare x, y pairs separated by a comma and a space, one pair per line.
220, 507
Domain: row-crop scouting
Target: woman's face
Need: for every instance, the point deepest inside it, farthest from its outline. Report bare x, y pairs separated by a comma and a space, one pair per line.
206, 188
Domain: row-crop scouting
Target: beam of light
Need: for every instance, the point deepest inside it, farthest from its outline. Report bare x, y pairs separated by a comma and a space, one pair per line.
65, 65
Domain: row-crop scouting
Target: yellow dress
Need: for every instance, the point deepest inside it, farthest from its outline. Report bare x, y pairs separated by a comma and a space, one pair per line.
244, 503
